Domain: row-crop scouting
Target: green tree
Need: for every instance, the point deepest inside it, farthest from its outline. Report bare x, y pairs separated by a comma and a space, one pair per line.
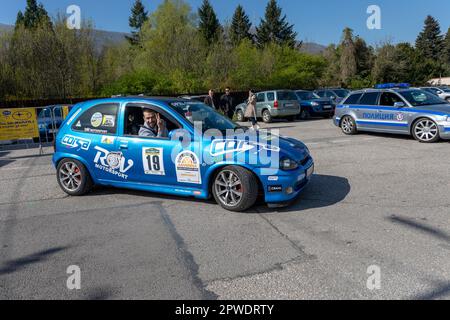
348, 62
34, 15
446, 54
429, 43
209, 25
240, 26
137, 19
275, 28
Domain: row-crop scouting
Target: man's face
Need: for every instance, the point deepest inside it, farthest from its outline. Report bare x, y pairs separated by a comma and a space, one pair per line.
227, 91
211, 93
150, 118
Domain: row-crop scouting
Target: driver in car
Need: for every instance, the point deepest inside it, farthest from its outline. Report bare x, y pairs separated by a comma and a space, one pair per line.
153, 126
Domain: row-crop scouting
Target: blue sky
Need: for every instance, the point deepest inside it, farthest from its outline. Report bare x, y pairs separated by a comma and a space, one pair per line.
320, 21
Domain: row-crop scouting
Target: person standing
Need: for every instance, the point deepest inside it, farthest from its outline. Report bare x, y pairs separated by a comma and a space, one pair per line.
250, 111
226, 102
209, 100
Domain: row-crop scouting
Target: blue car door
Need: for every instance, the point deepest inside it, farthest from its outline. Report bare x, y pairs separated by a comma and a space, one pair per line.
367, 112
158, 161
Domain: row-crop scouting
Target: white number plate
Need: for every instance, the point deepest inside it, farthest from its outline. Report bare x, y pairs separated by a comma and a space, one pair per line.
327, 107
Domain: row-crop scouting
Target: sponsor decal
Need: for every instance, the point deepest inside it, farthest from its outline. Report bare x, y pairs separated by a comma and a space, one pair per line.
6, 113
22, 115
78, 125
188, 168
379, 116
73, 118
273, 189
153, 160
109, 121
273, 178
98, 131
400, 116
78, 143
112, 162
221, 147
108, 140
96, 120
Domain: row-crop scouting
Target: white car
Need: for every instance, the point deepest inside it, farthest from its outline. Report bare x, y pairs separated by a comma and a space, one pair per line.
443, 93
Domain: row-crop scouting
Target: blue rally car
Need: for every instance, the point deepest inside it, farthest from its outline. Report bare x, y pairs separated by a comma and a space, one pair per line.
190, 150
395, 108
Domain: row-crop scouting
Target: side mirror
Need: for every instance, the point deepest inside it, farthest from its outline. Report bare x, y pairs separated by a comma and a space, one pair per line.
399, 105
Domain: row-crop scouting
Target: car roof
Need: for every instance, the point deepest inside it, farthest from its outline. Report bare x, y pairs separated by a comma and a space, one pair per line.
382, 90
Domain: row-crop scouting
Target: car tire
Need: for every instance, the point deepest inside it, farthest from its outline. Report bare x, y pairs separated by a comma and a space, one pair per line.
240, 116
235, 188
328, 116
448, 99
73, 177
348, 125
266, 116
426, 131
304, 114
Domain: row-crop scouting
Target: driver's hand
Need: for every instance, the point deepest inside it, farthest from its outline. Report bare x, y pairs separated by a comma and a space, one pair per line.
159, 121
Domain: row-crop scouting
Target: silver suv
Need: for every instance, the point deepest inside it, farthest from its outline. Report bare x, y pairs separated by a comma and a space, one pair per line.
273, 104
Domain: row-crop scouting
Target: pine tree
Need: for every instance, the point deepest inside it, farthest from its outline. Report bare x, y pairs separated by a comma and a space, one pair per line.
430, 41
274, 28
348, 56
209, 25
446, 53
240, 26
137, 19
34, 15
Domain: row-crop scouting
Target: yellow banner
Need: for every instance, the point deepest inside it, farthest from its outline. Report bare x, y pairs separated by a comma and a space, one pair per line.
65, 112
18, 124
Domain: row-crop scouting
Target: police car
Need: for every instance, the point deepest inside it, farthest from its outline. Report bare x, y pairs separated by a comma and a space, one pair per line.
395, 108
203, 154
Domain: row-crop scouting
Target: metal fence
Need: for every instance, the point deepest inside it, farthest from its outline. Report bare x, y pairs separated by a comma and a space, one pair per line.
31, 127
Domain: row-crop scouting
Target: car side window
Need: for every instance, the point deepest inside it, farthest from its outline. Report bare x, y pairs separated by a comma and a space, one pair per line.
260, 97
369, 99
100, 119
389, 99
353, 99
270, 96
321, 94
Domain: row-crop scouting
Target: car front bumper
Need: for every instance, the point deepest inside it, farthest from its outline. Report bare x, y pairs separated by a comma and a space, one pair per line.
286, 186
284, 112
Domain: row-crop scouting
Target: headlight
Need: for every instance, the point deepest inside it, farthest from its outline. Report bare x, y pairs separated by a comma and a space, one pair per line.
288, 164
315, 104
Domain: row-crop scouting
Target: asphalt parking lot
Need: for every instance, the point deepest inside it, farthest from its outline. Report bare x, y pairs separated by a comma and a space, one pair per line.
376, 200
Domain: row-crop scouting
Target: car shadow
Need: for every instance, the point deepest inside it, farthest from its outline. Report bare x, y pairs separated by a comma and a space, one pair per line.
395, 136
323, 191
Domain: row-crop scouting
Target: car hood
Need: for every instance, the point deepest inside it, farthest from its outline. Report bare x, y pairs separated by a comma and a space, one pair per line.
444, 108
260, 146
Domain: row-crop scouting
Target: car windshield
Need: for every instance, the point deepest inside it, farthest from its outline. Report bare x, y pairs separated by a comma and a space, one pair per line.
306, 95
286, 95
341, 93
421, 98
446, 90
200, 112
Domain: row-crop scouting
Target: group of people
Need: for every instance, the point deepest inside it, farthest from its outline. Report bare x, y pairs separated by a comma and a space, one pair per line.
227, 107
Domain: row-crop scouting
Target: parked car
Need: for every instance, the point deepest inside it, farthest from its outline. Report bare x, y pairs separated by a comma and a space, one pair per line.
200, 98
335, 94
273, 104
94, 146
314, 106
398, 110
443, 93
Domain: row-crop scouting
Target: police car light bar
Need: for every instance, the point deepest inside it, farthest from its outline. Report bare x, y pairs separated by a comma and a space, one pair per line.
392, 86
